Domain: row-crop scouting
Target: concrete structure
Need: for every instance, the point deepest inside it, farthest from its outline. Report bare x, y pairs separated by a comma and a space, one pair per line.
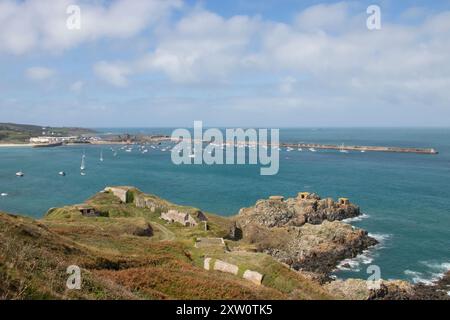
226, 267
303, 195
200, 216
222, 266
87, 211
253, 276
180, 217
344, 201
206, 264
209, 242
144, 201
119, 192
276, 198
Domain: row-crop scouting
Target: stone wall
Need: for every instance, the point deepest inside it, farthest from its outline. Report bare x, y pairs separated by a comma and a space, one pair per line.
180, 217
119, 192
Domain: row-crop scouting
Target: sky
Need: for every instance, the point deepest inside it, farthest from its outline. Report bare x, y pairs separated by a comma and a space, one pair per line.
239, 63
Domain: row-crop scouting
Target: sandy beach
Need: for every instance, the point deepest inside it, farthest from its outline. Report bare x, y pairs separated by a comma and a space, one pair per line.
13, 145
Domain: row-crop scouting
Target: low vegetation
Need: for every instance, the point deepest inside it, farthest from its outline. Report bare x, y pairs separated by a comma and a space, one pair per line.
21, 133
130, 253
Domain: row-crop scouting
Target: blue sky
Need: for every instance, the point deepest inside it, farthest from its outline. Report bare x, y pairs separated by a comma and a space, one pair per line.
228, 63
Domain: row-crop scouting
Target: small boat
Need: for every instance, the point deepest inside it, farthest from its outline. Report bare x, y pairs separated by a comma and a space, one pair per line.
20, 174
3, 194
342, 150
101, 155
312, 150
300, 149
62, 173
362, 151
83, 173
83, 164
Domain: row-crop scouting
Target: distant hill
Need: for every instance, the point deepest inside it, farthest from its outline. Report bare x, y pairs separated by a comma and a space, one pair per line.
21, 133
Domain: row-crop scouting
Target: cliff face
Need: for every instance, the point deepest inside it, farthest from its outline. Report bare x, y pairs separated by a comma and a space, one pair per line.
304, 232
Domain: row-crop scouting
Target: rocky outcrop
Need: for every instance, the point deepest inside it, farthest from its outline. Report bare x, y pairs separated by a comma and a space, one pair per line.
439, 290
358, 289
302, 232
305, 208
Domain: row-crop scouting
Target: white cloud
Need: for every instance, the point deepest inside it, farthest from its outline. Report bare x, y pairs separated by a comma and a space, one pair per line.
333, 61
39, 73
325, 17
41, 24
114, 74
202, 45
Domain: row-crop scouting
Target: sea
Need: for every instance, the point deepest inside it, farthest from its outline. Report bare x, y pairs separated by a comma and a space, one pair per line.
405, 198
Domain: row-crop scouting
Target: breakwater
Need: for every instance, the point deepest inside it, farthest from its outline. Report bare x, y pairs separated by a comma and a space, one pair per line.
361, 148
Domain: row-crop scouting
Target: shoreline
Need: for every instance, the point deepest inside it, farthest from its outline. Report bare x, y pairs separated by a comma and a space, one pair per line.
15, 145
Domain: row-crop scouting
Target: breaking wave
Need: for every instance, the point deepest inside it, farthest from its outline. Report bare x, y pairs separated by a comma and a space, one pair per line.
435, 272
355, 219
366, 257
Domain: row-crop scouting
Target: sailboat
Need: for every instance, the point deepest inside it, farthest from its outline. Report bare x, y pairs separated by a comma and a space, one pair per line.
83, 165
342, 149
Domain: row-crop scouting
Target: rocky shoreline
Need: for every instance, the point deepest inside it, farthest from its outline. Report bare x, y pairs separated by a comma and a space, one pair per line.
304, 232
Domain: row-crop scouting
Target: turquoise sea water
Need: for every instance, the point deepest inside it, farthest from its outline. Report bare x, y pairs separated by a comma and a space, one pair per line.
405, 197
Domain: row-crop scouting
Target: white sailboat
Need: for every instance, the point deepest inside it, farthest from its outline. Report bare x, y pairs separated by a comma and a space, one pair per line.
342, 150
83, 164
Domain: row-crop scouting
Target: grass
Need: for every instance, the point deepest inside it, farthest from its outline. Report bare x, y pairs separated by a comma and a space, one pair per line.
21, 133
118, 264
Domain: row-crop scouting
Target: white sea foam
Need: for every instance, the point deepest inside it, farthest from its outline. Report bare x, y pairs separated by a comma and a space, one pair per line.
354, 264
355, 219
380, 237
435, 272
366, 257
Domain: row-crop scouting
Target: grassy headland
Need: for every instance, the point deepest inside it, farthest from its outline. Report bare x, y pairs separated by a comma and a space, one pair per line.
12, 133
